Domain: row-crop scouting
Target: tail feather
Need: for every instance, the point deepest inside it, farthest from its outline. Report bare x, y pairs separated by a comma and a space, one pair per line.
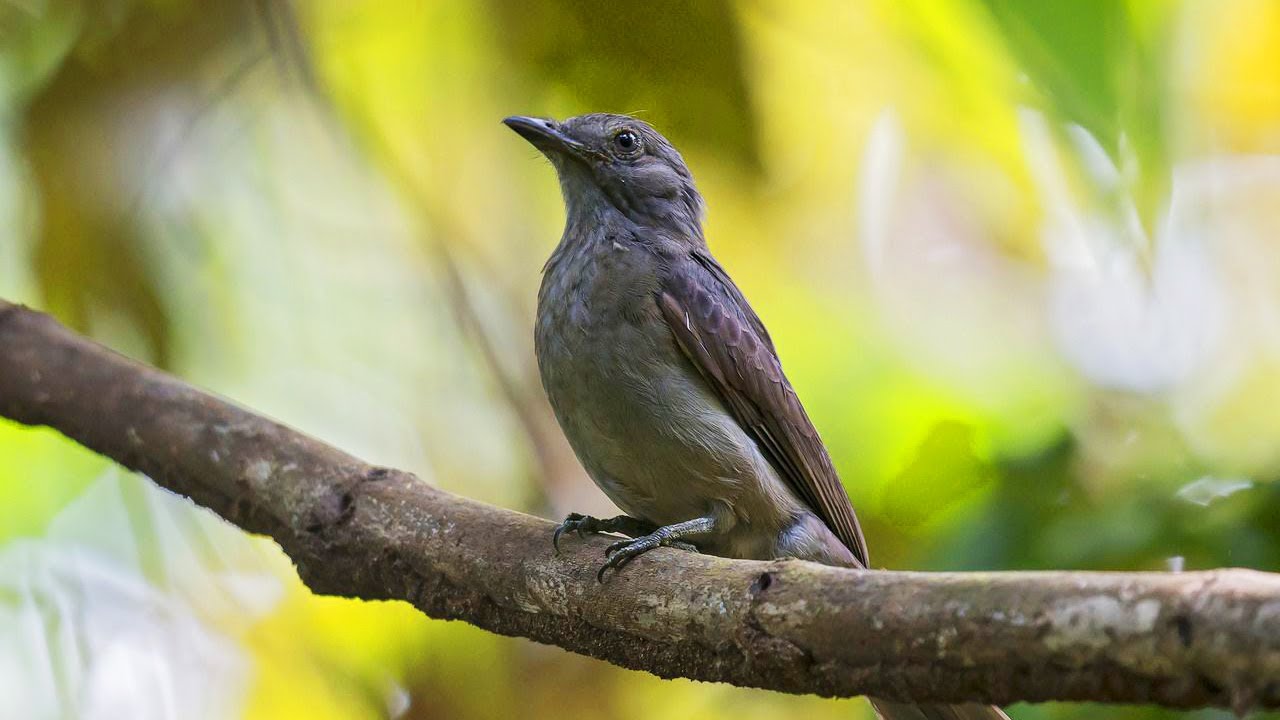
888, 710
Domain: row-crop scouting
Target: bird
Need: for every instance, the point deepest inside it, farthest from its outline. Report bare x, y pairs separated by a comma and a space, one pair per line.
664, 380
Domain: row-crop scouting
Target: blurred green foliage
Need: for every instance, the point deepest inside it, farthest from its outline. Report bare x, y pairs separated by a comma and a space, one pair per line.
1018, 259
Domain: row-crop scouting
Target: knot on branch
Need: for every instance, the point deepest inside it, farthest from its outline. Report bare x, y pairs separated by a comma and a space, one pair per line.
335, 509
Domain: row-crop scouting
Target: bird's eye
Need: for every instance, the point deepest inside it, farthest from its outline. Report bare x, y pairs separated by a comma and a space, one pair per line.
627, 142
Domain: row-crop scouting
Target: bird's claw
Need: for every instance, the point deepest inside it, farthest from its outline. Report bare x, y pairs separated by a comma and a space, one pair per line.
624, 551
573, 522
678, 544
583, 524
647, 536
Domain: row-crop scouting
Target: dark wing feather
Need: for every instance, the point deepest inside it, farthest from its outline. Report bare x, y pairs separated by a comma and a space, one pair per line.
726, 341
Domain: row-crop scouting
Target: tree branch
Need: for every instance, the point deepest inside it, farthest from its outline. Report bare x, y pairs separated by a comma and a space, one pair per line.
1180, 640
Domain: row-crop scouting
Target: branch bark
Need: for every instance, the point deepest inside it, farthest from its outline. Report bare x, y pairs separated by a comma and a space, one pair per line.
356, 530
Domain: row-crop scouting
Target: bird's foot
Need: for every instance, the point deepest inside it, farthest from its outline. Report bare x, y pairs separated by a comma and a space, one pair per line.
583, 524
624, 551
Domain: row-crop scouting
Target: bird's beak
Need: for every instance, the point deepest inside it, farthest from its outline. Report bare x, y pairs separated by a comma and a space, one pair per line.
546, 135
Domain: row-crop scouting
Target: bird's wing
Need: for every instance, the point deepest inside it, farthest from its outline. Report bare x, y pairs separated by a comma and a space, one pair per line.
726, 341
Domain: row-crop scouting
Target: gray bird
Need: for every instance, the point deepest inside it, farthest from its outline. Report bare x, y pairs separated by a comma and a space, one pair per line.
665, 381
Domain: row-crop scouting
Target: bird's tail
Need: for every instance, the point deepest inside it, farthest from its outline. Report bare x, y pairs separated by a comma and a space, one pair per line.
888, 710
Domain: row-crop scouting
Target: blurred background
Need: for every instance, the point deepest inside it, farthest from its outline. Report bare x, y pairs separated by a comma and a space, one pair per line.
1020, 260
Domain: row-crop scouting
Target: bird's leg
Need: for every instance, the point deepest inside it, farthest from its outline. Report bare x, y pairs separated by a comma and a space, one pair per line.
583, 524
624, 551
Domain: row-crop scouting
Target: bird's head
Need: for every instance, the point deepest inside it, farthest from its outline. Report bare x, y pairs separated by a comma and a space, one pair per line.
617, 163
